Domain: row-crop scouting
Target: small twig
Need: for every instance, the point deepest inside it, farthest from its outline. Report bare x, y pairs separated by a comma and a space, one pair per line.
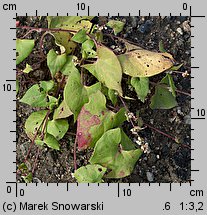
184, 93
47, 29
161, 132
29, 32
42, 137
71, 133
145, 124
44, 126
35, 136
163, 86
41, 42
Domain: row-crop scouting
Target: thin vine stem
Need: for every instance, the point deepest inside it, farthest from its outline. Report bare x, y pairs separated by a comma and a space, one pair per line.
165, 87
145, 124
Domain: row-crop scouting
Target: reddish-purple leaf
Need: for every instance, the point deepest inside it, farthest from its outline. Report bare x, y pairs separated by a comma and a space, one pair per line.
85, 121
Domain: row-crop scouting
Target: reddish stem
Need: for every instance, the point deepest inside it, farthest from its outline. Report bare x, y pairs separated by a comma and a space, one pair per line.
127, 111
36, 157
161, 132
74, 154
35, 136
151, 127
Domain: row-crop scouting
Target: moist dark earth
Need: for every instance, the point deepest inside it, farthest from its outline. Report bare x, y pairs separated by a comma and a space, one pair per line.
167, 161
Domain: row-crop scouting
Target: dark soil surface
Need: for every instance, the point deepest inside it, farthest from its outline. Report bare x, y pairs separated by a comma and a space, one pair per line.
166, 160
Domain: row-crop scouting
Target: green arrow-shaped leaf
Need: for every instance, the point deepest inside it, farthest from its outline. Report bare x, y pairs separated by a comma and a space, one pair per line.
33, 122
107, 69
23, 49
36, 96
55, 62
108, 153
164, 97
75, 94
58, 128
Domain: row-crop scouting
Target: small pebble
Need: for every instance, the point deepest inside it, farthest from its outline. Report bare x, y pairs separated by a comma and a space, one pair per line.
180, 31
186, 26
187, 119
150, 176
36, 180
145, 28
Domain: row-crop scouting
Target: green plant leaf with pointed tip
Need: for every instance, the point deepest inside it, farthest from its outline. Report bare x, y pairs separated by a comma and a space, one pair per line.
70, 22
90, 174
116, 25
51, 142
47, 85
164, 97
112, 96
126, 143
176, 68
94, 119
36, 96
93, 88
34, 122
28, 69
62, 111
108, 153
69, 65
75, 94
55, 62
107, 69
144, 63
87, 49
76, 23
23, 49
27, 178
141, 86
57, 128
80, 36
171, 84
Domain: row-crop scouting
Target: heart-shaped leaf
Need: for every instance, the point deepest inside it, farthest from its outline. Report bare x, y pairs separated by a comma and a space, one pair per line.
116, 25
69, 65
107, 69
75, 94
62, 111
23, 49
51, 142
55, 62
58, 128
90, 174
37, 97
80, 36
109, 154
87, 49
95, 119
75, 23
143, 63
164, 97
34, 122
47, 85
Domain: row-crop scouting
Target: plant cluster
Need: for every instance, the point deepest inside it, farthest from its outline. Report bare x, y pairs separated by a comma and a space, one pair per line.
86, 76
